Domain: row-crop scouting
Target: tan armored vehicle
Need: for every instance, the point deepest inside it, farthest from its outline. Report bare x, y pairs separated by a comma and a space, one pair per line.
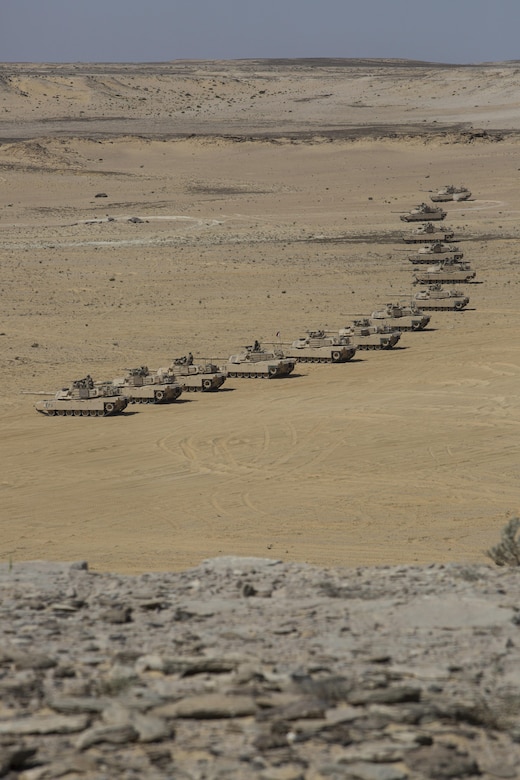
437, 251
401, 317
445, 273
424, 213
195, 377
435, 298
140, 386
317, 347
429, 233
83, 399
364, 334
256, 363
451, 193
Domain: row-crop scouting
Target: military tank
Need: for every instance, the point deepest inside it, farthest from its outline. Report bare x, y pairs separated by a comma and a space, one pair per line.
450, 192
82, 398
445, 273
195, 377
317, 347
435, 298
364, 334
439, 250
141, 386
401, 317
428, 233
424, 213
254, 362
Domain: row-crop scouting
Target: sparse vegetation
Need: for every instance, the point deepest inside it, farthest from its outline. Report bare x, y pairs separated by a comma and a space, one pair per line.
507, 552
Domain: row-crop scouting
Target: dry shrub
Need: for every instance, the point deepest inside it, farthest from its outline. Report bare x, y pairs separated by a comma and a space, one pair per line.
507, 552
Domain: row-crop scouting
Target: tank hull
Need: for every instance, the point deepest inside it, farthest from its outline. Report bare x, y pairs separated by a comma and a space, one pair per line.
197, 378
329, 354
202, 383
266, 369
428, 238
405, 323
382, 342
89, 407
374, 340
444, 304
151, 394
427, 258
444, 276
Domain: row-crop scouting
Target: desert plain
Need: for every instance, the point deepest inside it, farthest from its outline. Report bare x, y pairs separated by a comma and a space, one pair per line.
268, 196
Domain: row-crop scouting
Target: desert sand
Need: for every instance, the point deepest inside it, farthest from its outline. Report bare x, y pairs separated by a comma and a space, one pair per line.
268, 195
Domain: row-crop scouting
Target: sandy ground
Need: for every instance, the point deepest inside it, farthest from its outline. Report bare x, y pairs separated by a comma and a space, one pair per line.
269, 196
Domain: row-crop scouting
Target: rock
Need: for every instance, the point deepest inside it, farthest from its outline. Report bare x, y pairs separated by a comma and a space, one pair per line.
287, 772
394, 695
34, 661
115, 735
118, 615
367, 771
44, 724
77, 703
150, 728
296, 710
215, 706
14, 758
441, 762
202, 681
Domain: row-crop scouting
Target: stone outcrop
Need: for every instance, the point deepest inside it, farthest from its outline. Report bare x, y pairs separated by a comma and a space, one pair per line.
253, 668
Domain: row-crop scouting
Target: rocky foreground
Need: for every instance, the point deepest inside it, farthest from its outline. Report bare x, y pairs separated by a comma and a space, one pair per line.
252, 668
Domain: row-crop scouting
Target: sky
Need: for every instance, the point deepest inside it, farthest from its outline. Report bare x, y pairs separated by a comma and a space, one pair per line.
449, 31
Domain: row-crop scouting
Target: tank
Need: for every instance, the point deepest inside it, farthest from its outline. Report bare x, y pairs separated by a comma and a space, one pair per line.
428, 233
256, 363
445, 273
401, 317
364, 334
450, 192
435, 298
142, 386
195, 377
436, 251
82, 398
424, 213
317, 347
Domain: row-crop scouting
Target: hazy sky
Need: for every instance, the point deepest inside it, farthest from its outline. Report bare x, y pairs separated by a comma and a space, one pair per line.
458, 31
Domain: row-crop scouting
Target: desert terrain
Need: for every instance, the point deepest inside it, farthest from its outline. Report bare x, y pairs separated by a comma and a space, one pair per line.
268, 196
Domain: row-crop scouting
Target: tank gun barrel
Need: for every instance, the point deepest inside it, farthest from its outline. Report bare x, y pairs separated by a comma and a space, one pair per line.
38, 392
